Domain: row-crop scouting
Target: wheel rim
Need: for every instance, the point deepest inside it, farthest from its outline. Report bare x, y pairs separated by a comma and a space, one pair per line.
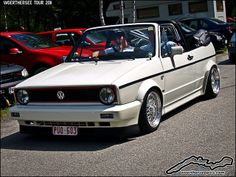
153, 109
215, 81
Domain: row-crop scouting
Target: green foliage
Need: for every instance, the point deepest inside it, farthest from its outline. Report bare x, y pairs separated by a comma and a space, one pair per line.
4, 114
62, 13
230, 8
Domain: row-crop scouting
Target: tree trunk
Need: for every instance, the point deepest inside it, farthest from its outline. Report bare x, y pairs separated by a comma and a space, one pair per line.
122, 18
134, 11
5, 17
101, 12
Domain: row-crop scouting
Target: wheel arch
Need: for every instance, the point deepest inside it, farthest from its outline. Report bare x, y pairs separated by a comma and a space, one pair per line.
146, 86
209, 66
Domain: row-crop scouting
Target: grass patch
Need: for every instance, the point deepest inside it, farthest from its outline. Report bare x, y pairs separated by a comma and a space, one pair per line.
4, 114
221, 50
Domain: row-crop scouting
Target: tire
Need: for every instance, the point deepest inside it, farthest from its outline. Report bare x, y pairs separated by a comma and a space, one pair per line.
151, 110
213, 83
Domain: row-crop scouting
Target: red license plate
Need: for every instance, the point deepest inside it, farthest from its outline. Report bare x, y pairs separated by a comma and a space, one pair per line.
65, 130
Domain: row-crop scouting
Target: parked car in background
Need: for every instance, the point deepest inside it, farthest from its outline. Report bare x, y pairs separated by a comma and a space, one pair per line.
232, 23
232, 48
209, 24
63, 36
141, 75
32, 51
70, 36
10, 76
218, 40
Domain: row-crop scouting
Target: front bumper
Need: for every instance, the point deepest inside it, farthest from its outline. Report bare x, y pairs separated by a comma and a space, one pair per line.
86, 116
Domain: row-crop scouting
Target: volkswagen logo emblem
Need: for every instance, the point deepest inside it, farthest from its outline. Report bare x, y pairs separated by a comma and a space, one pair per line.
60, 95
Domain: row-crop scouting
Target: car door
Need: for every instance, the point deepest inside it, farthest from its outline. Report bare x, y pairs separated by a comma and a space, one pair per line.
179, 73
6, 56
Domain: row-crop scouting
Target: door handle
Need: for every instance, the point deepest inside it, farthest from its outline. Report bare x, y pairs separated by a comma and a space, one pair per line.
190, 57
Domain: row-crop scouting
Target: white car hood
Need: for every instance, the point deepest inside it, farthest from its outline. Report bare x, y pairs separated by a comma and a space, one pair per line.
82, 74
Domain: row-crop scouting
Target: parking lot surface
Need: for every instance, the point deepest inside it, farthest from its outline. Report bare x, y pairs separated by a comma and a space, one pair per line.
201, 131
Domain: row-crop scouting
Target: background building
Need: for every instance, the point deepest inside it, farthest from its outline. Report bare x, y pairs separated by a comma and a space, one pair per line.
166, 10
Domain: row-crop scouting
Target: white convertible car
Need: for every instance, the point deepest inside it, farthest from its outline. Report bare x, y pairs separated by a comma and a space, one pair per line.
139, 73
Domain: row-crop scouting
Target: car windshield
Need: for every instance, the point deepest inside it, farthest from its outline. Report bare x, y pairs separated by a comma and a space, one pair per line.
215, 20
123, 42
186, 28
33, 41
96, 37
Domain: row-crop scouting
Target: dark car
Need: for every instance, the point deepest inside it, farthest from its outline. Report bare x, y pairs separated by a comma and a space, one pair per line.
32, 51
11, 75
209, 24
217, 39
232, 48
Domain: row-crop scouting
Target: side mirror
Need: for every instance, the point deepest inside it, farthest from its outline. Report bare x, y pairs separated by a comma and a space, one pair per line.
15, 51
176, 50
150, 55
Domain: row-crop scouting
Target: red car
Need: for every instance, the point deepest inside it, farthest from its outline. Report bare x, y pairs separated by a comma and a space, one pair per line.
63, 36
69, 36
32, 51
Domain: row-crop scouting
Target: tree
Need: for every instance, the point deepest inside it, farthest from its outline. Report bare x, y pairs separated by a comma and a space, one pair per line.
101, 12
134, 11
122, 18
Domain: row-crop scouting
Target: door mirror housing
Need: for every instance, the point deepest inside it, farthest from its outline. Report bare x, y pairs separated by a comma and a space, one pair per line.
176, 50
15, 51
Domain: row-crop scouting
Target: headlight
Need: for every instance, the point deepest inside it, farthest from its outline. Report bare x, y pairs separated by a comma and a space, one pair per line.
22, 96
107, 95
24, 73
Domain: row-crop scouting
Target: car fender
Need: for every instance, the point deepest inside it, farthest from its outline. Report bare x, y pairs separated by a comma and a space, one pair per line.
145, 87
208, 67
44, 61
50, 60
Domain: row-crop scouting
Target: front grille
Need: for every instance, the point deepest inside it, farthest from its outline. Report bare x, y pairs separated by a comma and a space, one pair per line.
10, 77
72, 94
77, 124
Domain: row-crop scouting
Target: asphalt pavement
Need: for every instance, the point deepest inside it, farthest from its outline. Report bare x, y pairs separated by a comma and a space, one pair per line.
197, 139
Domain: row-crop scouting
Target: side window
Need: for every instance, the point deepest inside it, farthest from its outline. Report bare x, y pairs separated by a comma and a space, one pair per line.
47, 36
193, 24
65, 38
75, 36
169, 38
62, 38
203, 24
6, 45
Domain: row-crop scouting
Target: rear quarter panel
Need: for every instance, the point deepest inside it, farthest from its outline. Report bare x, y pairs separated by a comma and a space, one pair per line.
206, 58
